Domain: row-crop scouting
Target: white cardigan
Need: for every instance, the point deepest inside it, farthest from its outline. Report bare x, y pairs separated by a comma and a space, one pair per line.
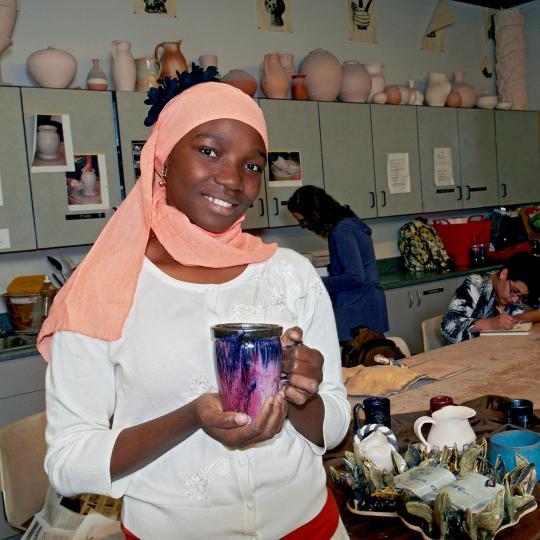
164, 359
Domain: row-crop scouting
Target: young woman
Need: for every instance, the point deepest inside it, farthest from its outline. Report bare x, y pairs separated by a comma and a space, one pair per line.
353, 281
494, 301
132, 403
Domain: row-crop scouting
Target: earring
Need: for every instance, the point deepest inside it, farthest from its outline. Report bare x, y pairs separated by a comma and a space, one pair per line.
163, 176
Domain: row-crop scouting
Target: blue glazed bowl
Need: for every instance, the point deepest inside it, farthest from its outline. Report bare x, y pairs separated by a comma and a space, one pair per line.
508, 443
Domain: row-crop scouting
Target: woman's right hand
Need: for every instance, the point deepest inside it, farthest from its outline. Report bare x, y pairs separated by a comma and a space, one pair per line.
503, 321
235, 429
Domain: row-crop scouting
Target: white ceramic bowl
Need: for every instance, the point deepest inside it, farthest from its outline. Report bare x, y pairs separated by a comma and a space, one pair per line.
487, 101
504, 105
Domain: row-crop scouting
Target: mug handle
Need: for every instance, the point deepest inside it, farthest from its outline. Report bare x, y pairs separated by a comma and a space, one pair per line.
419, 422
156, 52
356, 419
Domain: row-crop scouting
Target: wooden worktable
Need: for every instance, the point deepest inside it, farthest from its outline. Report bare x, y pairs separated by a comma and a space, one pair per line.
507, 366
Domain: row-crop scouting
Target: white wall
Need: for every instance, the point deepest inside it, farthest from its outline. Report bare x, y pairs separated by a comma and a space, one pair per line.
228, 28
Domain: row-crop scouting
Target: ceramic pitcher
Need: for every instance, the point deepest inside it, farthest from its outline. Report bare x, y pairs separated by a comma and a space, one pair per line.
450, 426
275, 83
171, 59
123, 66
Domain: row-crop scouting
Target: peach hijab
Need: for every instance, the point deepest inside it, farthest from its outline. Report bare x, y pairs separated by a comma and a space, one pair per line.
98, 297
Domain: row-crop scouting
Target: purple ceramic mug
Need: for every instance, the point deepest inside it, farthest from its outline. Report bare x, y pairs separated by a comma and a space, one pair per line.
248, 364
438, 402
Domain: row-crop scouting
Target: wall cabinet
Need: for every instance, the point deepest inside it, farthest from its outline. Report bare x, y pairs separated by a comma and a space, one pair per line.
64, 215
347, 153
16, 219
409, 306
293, 126
395, 137
478, 158
438, 140
518, 157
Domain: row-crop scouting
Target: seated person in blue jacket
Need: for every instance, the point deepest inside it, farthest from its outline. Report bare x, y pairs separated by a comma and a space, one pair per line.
353, 280
494, 301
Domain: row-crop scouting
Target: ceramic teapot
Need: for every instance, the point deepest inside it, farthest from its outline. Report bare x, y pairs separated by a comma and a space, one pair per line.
450, 426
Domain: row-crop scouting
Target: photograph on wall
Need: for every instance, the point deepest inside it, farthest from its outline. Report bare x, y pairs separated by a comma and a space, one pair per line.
136, 148
86, 185
362, 20
162, 8
274, 15
52, 144
285, 168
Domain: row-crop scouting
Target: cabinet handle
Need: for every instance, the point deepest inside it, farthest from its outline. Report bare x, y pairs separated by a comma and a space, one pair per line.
418, 299
504, 193
410, 300
261, 213
372, 199
460, 191
276, 206
383, 193
468, 188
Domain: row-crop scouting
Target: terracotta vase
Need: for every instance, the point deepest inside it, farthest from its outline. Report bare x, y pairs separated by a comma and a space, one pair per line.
52, 68
123, 66
242, 80
405, 92
96, 78
323, 75
437, 89
147, 70
377, 79
171, 59
453, 99
275, 82
393, 95
299, 88
467, 91
355, 83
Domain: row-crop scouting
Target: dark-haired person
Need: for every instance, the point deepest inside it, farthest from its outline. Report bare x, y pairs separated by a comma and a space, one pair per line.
353, 280
492, 302
132, 404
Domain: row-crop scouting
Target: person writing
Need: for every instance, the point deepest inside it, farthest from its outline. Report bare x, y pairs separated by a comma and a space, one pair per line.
353, 281
132, 404
492, 302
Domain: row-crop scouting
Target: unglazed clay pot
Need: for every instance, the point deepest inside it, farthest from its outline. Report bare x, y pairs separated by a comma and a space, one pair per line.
52, 68
468, 93
453, 99
275, 83
437, 89
323, 75
393, 95
356, 82
377, 79
242, 80
379, 98
47, 142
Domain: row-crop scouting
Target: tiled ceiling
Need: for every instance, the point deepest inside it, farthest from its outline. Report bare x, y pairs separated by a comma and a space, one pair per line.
496, 4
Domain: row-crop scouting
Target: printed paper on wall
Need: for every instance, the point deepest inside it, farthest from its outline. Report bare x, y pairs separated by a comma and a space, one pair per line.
362, 20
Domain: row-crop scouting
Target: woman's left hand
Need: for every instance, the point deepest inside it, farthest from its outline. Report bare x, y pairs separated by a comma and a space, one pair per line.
303, 367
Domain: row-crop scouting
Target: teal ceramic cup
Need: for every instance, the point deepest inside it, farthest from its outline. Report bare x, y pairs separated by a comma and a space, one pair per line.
515, 441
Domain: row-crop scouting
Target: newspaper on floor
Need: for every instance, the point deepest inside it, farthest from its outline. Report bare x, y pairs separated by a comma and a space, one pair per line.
96, 519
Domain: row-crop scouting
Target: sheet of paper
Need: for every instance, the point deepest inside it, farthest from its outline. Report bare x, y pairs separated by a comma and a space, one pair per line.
442, 17
442, 167
399, 177
5, 242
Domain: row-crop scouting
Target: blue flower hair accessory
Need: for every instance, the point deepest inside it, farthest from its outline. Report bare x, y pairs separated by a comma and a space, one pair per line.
168, 88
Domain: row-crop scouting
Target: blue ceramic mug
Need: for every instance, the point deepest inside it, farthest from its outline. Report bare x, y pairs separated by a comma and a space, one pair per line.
376, 411
507, 443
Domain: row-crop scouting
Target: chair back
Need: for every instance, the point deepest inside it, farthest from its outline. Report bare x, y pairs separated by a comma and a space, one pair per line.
403, 347
431, 334
22, 476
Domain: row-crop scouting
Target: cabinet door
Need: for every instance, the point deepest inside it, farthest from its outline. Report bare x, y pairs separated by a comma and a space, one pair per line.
518, 157
401, 305
293, 127
478, 158
347, 151
438, 145
67, 212
16, 219
132, 132
395, 138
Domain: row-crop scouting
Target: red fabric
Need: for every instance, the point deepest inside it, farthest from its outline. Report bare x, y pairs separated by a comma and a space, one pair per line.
322, 526
127, 534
